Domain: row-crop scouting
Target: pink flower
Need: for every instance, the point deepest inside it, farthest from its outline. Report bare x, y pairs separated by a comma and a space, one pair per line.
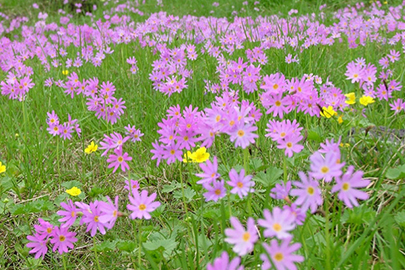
142, 204
281, 256
325, 167
210, 170
277, 223
109, 212
280, 191
308, 192
223, 263
131, 185
347, 184
91, 217
118, 160
290, 144
62, 240
243, 240
38, 244
69, 216
243, 134
241, 184
215, 191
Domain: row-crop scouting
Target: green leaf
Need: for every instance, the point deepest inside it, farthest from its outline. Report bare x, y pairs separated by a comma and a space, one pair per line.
256, 164
167, 245
396, 173
171, 187
314, 136
70, 184
188, 194
269, 177
127, 246
95, 191
105, 246
400, 218
358, 215
158, 211
6, 183
33, 207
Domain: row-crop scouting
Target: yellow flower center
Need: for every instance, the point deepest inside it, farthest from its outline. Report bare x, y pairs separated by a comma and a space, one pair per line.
172, 152
241, 133
310, 190
142, 207
345, 186
279, 256
73, 213
324, 169
95, 218
217, 192
277, 227
289, 145
62, 238
120, 159
239, 185
278, 103
246, 236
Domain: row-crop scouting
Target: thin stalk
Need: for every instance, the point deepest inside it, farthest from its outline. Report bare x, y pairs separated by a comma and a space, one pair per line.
182, 190
95, 253
64, 261
140, 243
327, 235
285, 169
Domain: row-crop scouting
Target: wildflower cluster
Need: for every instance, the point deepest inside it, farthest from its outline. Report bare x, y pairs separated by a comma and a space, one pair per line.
215, 186
17, 85
169, 73
366, 75
115, 143
97, 216
64, 130
100, 98
286, 134
281, 96
182, 130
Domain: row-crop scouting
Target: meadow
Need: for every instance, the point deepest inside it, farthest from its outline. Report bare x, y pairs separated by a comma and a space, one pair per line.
168, 134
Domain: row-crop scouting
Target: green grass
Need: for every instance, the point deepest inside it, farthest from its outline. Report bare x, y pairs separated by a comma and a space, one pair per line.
186, 232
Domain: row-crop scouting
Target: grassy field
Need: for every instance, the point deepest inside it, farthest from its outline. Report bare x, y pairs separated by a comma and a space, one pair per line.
189, 134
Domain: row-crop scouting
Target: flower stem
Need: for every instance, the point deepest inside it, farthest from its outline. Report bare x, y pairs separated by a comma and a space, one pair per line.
64, 261
57, 159
327, 234
95, 253
140, 243
285, 169
182, 190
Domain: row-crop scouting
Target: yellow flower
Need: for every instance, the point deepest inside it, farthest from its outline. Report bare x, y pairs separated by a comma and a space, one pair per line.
344, 145
91, 148
2, 168
200, 155
365, 100
187, 157
74, 191
340, 119
351, 98
65, 72
328, 112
